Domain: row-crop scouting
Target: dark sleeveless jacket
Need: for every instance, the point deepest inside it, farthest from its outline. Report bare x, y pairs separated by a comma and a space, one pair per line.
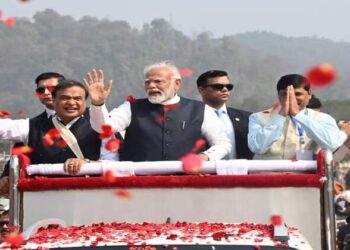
87, 138
155, 134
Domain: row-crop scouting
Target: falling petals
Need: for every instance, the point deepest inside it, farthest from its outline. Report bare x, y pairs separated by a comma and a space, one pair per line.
108, 176
321, 75
123, 194
54, 133
48, 141
10, 22
4, 113
276, 220
62, 144
131, 99
113, 145
107, 131
185, 72
191, 163
21, 150
14, 239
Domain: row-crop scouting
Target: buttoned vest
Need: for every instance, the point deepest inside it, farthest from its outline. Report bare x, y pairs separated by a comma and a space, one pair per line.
159, 133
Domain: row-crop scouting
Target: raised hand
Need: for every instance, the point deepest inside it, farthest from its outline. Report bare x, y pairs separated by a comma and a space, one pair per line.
284, 101
98, 91
293, 104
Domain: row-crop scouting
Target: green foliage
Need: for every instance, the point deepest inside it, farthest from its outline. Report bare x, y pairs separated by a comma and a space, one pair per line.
255, 61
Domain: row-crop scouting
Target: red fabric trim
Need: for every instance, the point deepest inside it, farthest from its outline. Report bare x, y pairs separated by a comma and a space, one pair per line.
212, 181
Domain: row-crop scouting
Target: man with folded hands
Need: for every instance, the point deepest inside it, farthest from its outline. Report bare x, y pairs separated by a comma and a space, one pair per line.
289, 130
163, 126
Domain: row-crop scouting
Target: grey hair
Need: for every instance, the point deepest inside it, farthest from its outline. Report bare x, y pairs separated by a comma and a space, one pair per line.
163, 64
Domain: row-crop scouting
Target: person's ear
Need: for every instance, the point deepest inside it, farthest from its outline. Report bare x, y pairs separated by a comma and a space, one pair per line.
201, 90
177, 84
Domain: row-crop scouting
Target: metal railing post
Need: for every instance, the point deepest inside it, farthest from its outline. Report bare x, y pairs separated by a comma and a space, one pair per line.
14, 194
328, 203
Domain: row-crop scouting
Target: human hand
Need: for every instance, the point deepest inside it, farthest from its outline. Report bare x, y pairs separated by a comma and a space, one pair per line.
73, 165
98, 91
293, 104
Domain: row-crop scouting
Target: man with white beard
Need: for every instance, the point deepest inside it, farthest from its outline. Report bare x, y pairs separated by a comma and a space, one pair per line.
163, 126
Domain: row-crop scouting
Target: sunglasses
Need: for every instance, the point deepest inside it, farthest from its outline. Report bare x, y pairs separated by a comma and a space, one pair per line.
220, 86
41, 90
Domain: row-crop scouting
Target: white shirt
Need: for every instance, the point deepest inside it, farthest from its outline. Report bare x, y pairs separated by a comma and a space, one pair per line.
18, 131
212, 129
229, 130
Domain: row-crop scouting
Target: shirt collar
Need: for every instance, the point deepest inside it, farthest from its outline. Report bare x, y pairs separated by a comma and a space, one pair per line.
49, 112
69, 124
223, 108
172, 100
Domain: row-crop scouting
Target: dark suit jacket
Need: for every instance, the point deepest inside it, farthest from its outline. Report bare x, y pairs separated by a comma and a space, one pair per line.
240, 119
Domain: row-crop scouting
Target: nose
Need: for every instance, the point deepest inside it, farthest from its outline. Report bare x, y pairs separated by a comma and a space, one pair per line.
46, 91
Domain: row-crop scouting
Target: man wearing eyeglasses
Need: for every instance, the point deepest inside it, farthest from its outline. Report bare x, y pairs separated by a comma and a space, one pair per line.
215, 89
163, 126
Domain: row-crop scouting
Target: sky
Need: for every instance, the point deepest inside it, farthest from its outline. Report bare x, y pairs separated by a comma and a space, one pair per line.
293, 18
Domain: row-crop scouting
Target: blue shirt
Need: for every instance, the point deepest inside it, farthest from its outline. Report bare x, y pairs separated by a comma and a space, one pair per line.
324, 132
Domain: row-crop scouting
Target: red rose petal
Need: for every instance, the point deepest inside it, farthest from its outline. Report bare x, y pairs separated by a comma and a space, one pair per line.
276, 220
123, 194
14, 239
4, 113
185, 72
47, 140
113, 145
107, 131
21, 150
191, 163
199, 145
321, 75
131, 99
54, 133
62, 144
108, 176
257, 247
10, 22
